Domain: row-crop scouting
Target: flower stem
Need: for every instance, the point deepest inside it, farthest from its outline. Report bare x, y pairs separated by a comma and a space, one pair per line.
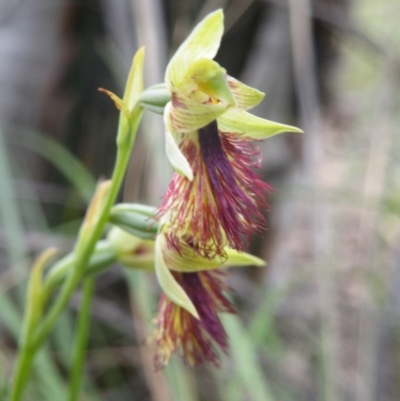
81, 340
83, 251
24, 361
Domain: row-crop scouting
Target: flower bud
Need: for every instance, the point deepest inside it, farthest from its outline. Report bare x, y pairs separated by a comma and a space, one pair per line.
155, 98
132, 251
136, 219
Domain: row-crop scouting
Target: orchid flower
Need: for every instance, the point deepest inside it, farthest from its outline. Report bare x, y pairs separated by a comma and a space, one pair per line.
194, 294
214, 194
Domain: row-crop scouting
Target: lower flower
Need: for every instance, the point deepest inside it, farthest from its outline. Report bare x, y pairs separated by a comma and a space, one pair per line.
196, 340
194, 295
219, 207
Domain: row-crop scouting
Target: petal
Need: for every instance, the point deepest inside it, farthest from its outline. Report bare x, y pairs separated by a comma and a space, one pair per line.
134, 84
246, 96
168, 283
203, 42
209, 77
240, 121
187, 115
236, 258
174, 154
188, 260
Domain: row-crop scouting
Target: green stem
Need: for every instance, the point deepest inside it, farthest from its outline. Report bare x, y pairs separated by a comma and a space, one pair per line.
83, 253
125, 140
81, 340
24, 361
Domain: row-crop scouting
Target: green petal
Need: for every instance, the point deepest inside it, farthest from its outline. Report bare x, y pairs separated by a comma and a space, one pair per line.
240, 121
208, 77
187, 260
236, 258
134, 84
168, 283
203, 42
187, 115
174, 154
246, 96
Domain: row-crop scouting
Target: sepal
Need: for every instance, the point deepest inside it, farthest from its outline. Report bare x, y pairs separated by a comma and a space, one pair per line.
174, 154
235, 258
254, 127
168, 283
134, 84
203, 42
246, 96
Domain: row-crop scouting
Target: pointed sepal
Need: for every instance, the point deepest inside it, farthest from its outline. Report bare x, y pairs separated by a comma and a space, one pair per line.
174, 154
134, 84
203, 42
254, 127
168, 283
246, 96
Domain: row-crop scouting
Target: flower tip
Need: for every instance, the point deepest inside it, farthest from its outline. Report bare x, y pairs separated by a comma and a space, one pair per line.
258, 262
194, 313
218, 13
295, 129
236, 258
140, 52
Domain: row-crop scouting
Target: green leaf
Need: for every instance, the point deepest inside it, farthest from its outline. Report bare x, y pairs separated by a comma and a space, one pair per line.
60, 157
244, 355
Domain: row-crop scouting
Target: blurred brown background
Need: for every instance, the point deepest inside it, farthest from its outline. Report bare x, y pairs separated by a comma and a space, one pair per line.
321, 322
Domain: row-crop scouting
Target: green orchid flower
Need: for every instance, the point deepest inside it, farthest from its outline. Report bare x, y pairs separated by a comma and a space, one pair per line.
194, 294
202, 92
215, 194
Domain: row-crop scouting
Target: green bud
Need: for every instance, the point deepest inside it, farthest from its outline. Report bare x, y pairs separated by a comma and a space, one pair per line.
102, 256
155, 98
132, 251
136, 219
34, 299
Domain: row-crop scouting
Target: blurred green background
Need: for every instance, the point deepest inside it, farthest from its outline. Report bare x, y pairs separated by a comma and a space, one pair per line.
321, 321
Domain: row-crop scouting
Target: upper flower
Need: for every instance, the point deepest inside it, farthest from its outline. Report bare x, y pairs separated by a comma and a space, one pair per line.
215, 195
201, 92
